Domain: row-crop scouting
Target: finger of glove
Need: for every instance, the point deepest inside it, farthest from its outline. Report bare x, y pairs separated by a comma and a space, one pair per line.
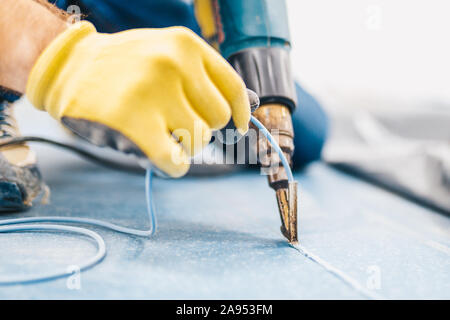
208, 101
189, 128
222, 75
164, 151
232, 87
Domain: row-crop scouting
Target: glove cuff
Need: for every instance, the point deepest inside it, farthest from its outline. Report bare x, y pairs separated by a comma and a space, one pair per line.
51, 59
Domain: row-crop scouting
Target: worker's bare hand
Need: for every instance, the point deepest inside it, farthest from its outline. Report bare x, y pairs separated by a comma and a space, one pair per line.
140, 91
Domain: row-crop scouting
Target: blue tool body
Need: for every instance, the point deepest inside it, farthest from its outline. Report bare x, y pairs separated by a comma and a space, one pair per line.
252, 24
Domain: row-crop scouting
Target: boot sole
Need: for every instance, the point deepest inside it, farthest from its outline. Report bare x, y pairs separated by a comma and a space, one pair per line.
11, 197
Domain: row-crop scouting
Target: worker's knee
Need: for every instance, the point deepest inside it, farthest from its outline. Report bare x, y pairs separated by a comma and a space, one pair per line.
311, 128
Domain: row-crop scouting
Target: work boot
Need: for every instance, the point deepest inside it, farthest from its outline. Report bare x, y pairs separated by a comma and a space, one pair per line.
20, 179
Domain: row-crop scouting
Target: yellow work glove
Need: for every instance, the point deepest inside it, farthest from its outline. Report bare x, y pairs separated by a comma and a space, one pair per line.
141, 91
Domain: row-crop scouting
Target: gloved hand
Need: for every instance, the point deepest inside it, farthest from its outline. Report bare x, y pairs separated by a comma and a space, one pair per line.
135, 90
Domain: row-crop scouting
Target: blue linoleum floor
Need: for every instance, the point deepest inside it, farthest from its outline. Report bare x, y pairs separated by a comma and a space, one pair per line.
218, 238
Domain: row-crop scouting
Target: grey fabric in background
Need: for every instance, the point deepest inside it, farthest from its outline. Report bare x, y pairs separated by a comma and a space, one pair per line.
406, 150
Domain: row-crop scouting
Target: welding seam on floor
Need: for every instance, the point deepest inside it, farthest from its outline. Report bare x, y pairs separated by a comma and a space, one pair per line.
337, 273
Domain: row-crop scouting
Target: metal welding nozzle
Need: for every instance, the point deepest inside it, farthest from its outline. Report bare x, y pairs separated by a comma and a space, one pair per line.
277, 119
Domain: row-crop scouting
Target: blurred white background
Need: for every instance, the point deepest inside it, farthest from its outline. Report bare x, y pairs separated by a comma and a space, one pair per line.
378, 50
381, 69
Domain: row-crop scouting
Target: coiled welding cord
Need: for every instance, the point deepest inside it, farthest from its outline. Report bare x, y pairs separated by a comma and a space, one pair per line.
28, 224
45, 223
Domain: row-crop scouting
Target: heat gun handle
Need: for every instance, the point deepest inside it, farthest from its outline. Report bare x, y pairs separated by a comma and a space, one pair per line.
253, 35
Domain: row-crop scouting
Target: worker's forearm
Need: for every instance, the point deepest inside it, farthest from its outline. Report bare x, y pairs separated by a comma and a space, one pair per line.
26, 28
